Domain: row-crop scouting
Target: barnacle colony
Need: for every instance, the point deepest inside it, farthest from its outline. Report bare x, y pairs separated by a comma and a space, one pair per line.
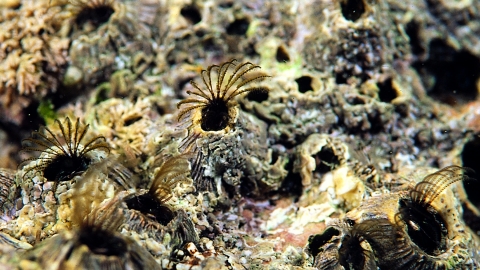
416, 229
94, 243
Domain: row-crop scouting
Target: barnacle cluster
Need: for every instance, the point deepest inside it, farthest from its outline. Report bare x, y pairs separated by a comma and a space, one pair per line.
312, 134
417, 228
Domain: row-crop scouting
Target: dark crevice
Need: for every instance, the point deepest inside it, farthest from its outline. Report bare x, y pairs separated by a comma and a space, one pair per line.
413, 31
191, 13
282, 55
292, 184
325, 160
386, 91
258, 95
238, 27
102, 242
304, 84
469, 157
315, 242
449, 76
471, 219
96, 15
151, 207
352, 9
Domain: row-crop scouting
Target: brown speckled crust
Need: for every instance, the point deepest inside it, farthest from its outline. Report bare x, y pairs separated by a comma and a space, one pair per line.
364, 99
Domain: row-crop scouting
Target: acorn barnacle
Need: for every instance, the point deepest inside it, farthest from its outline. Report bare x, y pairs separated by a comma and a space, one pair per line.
63, 155
213, 108
152, 203
429, 233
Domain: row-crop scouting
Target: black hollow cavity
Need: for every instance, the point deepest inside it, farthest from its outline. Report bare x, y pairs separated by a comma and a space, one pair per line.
426, 228
63, 167
151, 207
215, 115
317, 241
191, 13
413, 31
471, 219
304, 84
387, 93
292, 184
449, 76
282, 55
102, 242
95, 15
470, 160
352, 253
130, 121
238, 27
258, 95
326, 160
352, 10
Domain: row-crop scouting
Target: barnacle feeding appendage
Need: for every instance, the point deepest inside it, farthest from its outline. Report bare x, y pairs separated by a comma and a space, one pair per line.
62, 156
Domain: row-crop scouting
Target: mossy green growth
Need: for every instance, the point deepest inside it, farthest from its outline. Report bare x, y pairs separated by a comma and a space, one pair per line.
46, 110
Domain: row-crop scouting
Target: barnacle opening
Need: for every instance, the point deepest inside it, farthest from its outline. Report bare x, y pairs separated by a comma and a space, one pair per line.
149, 205
212, 108
62, 156
304, 84
64, 167
238, 27
191, 13
93, 13
258, 96
386, 92
215, 115
326, 160
282, 54
352, 10
102, 242
425, 226
152, 204
353, 254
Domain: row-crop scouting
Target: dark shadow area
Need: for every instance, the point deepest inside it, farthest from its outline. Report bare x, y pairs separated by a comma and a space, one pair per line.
449, 76
304, 84
352, 10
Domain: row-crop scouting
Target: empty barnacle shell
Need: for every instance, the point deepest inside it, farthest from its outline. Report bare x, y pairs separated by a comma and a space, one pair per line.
62, 156
420, 228
319, 153
93, 244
